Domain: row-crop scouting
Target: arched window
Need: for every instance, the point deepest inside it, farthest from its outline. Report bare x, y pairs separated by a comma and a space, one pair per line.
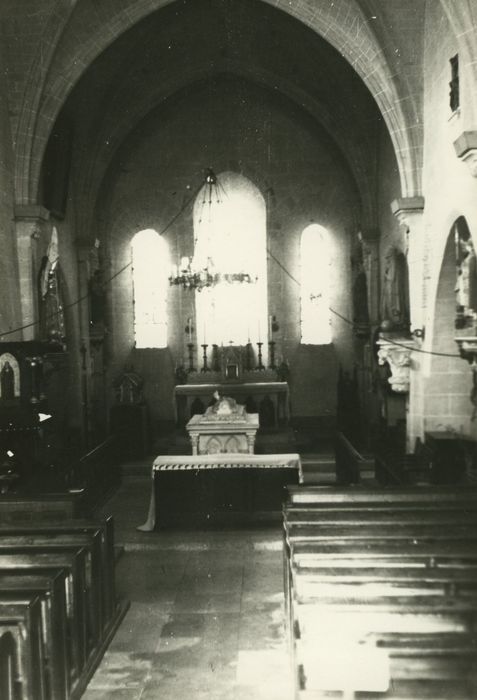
150, 269
233, 234
315, 284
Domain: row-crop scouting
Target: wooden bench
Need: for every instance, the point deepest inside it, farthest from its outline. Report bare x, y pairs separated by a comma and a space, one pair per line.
9, 664
369, 498
48, 564
21, 617
92, 575
68, 565
98, 530
45, 507
381, 580
52, 592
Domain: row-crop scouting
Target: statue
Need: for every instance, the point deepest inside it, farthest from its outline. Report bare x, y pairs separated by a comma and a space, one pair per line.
9, 377
394, 308
7, 381
466, 285
52, 314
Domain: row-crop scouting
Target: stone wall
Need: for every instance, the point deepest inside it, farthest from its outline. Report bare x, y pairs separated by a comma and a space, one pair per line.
449, 192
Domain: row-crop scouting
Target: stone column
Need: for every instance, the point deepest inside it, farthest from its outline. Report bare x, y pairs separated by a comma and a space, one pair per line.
29, 222
83, 256
409, 212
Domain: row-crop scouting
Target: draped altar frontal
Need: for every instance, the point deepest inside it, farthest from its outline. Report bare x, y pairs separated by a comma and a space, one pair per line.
204, 489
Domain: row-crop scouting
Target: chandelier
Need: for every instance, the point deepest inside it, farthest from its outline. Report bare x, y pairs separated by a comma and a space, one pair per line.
200, 271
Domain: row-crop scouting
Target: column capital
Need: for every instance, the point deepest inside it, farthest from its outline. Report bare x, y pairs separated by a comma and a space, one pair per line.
31, 212
465, 147
405, 209
368, 234
396, 351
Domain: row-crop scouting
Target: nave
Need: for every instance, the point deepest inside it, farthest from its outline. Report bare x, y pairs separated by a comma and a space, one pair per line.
206, 616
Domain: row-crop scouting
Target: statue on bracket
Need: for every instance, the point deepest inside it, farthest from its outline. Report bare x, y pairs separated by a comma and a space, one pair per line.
466, 279
52, 313
394, 307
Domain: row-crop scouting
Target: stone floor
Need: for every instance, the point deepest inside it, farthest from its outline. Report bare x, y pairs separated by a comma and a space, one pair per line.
206, 616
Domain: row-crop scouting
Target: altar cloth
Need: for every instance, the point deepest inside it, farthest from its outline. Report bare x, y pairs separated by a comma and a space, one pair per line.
229, 461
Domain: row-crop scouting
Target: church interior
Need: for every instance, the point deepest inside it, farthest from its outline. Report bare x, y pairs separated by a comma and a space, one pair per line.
238, 255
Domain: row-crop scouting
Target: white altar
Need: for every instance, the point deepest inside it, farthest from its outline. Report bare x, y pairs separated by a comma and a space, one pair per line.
225, 428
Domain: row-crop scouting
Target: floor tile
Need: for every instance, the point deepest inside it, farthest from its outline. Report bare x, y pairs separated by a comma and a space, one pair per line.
120, 670
206, 620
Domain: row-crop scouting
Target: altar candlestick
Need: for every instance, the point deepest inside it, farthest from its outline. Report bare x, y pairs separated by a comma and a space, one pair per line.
189, 329
259, 334
248, 356
205, 367
191, 357
272, 354
260, 364
270, 318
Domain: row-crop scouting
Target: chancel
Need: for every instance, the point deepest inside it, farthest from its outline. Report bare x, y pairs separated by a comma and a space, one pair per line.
238, 349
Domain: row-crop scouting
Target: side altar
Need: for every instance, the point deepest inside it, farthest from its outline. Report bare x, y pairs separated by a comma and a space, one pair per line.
225, 427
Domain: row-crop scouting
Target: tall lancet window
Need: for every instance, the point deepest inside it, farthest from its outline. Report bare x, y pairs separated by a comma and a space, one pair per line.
315, 285
233, 234
150, 270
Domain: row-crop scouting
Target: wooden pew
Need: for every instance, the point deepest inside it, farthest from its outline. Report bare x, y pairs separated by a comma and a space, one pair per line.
379, 516
52, 592
22, 618
399, 568
43, 508
69, 566
297, 532
92, 575
9, 664
102, 551
48, 564
370, 498
102, 530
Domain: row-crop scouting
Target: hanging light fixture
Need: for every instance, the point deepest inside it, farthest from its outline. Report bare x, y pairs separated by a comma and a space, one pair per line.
200, 271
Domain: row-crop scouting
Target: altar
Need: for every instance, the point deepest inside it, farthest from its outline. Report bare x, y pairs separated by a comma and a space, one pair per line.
225, 427
269, 399
204, 490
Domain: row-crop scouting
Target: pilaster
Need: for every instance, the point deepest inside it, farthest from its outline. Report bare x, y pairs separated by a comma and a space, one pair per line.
29, 222
409, 213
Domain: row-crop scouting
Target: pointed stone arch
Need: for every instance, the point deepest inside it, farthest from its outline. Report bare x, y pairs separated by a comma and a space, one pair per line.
343, 24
